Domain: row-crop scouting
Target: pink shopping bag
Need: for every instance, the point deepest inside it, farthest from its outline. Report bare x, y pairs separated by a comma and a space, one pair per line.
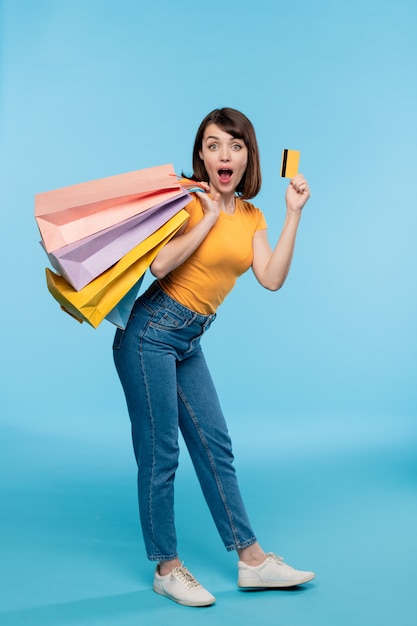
71, 213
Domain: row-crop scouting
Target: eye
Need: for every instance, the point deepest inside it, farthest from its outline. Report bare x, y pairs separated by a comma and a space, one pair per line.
236, 147
213, 146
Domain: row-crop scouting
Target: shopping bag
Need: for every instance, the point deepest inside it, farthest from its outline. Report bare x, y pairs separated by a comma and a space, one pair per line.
119, 316
82, 261
190, 185
100, 296
121, 313
71, 213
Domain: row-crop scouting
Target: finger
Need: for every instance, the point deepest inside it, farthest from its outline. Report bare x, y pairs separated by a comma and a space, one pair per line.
298, 179
299, 184
207, 199
297, 188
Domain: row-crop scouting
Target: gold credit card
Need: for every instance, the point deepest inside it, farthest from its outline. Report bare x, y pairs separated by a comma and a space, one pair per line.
289, 163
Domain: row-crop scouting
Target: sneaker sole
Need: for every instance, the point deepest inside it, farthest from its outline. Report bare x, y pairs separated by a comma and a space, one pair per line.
274, 585
184, 602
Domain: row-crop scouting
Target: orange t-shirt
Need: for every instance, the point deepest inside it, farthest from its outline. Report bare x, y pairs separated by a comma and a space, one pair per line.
203, 281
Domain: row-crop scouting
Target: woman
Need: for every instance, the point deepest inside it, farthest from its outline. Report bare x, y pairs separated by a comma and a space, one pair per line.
162, 368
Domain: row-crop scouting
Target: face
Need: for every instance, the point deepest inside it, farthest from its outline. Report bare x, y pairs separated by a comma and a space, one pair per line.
225, 159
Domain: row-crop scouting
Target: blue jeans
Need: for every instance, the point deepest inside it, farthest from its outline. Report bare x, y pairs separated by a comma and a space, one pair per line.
168, 387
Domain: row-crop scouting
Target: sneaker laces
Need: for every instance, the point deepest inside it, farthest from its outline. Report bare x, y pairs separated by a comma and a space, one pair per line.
185, 577
279, 560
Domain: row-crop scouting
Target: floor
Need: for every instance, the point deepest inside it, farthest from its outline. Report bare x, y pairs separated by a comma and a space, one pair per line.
72, 553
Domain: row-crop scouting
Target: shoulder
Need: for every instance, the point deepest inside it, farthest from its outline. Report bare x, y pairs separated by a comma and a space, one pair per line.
245, 204
194, 207
194, 210
252, 212
193, 204
247, 207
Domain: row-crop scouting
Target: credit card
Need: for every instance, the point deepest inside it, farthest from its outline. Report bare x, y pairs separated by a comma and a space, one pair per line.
289, 163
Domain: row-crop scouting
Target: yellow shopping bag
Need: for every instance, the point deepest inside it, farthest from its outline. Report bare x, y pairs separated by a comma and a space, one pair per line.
93, 303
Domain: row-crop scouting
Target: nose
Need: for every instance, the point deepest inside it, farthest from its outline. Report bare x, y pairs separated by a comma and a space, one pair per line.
224, 155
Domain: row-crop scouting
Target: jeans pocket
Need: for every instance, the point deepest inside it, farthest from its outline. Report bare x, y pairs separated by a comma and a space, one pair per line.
168, 320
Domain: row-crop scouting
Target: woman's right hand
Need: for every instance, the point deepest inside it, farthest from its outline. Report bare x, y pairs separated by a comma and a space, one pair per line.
184, 244
210, 205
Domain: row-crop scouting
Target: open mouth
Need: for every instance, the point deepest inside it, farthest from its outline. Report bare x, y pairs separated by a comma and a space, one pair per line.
225, 175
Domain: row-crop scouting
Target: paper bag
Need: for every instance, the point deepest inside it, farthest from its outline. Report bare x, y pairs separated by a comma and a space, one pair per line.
119, 316
80, 262
98, 298
71, 213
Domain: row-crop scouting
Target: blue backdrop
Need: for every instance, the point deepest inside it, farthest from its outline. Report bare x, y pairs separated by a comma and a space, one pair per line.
92, 89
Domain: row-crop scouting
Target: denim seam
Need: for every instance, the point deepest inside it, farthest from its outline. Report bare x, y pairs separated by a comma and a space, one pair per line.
152, 424
159, 556
214, 469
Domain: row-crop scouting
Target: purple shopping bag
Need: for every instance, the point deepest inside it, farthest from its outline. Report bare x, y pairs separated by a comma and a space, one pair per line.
80, 262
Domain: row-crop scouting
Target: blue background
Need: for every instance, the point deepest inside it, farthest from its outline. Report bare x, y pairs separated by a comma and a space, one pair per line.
318, 381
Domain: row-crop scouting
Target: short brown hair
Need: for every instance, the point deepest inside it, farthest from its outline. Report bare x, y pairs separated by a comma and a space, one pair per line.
239, 126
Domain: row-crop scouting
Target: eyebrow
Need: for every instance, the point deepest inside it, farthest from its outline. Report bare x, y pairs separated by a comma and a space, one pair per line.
218, 138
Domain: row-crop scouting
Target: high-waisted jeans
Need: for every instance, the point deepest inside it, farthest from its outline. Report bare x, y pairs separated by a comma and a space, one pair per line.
168, 387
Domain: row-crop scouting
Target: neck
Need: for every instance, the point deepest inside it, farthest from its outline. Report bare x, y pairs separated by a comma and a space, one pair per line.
227, 203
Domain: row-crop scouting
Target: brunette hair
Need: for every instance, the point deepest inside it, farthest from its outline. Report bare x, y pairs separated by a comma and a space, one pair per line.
239, 126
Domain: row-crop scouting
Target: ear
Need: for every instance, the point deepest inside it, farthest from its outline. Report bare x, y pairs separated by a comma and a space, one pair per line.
200, 154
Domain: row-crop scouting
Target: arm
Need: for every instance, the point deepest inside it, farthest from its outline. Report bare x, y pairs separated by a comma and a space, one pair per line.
182, 246
271, 267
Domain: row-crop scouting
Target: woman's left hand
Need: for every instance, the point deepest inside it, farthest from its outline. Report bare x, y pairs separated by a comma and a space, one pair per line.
297, 193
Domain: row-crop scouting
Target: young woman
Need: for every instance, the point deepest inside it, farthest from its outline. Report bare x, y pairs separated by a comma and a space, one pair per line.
162, 368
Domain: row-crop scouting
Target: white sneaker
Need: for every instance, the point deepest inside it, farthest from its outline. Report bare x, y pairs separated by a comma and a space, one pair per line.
273, 572
181, 586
